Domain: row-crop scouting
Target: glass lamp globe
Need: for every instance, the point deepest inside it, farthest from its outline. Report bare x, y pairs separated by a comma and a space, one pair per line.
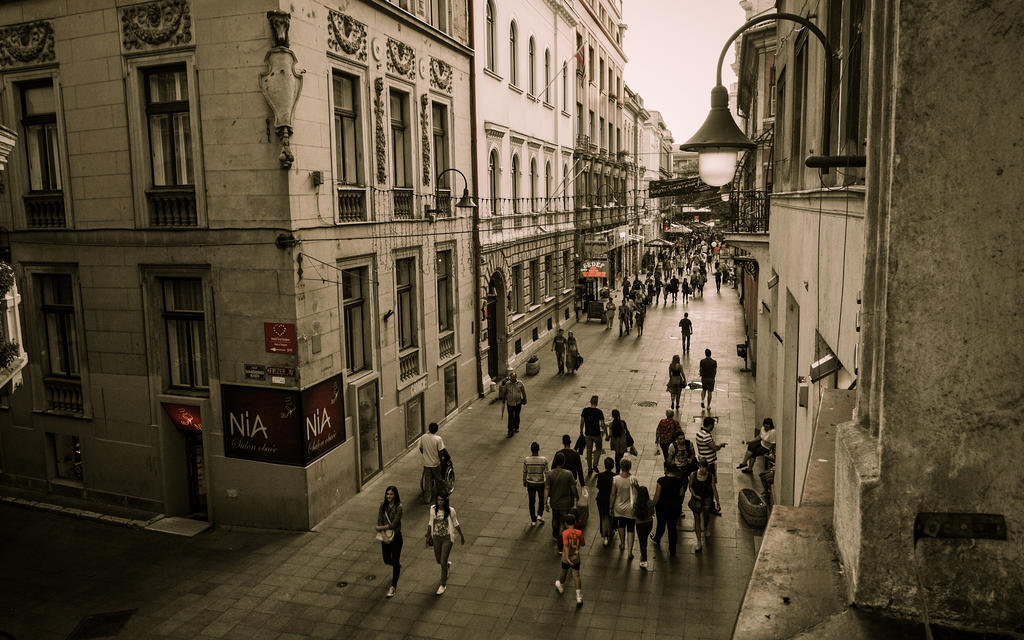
717, 165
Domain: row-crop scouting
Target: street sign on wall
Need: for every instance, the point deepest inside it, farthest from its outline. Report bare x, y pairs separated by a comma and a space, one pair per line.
279, 337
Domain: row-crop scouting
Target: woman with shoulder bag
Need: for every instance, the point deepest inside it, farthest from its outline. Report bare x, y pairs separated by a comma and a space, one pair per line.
389, 532
676, 382
572, 353
617, 437
441, 527
703, 498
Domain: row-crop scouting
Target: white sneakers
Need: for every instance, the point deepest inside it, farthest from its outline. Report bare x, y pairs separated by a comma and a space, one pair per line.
643, 565
391, 592
540, 520
440, 589
558, 587
579, 598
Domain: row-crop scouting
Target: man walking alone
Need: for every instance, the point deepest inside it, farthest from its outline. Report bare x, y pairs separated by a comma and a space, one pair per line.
686, 328
708, 371
558, 346
514, 393
592, 426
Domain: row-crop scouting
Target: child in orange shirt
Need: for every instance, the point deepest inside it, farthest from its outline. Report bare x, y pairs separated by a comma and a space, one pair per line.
572, 541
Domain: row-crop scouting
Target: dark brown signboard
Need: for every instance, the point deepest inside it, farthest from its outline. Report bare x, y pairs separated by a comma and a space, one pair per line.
323, 418
678, 187
282, 426
279, 337
262, 424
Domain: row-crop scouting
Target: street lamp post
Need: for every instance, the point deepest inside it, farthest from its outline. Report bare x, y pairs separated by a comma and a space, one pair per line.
464, 202
719, 141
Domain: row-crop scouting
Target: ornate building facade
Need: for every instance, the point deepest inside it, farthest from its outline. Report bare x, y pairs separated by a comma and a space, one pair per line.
525, 72
599, 159
244, 283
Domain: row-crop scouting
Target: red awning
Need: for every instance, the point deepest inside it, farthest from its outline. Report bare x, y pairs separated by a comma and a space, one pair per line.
184, 416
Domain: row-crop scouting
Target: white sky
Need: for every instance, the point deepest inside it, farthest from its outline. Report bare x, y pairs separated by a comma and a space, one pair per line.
673, 46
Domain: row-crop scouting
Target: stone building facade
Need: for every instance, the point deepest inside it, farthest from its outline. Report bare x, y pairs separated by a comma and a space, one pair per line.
601, 196
243, 295
524, 92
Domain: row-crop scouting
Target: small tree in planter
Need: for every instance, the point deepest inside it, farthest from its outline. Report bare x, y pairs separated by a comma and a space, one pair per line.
533, 366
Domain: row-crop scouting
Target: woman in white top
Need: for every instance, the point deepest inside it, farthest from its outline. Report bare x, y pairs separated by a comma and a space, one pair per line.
623, 486
441, 527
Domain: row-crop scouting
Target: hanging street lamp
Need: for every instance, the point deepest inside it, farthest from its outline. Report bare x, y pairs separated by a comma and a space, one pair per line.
719, 141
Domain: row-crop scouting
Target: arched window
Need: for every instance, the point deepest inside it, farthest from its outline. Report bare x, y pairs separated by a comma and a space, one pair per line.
533, 67
515, 184
490, 37
547, 74
565, 186
533, 184
565, 87
492, 177
513, 54
547, 185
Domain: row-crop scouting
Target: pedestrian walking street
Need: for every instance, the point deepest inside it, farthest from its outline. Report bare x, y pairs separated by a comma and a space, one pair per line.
331, 582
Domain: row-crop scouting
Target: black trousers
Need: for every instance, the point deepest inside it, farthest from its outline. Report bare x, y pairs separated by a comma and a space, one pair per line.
513, 417
535, 492
668, 521
392, 552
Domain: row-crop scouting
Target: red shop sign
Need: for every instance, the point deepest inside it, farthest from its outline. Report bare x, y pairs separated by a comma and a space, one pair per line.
184, 416
279, 337
262, 424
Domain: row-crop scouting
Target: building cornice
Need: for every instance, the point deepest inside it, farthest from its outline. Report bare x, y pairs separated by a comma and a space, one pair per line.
560, 8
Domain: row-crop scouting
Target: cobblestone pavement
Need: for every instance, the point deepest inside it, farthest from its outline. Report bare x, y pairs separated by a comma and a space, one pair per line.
330, 583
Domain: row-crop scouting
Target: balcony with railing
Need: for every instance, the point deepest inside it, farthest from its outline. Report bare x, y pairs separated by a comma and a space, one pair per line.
45, 210
352, 204
403, 201
409, 364
748, 212
446, 344
172, 206
63, 395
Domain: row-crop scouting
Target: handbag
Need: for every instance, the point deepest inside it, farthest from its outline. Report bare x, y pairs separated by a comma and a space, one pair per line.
579, 360
387, 535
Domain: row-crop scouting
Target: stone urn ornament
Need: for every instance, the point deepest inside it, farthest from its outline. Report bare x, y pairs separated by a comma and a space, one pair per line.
281, 83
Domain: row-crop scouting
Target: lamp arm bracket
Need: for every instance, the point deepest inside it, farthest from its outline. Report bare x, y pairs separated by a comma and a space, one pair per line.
765, 18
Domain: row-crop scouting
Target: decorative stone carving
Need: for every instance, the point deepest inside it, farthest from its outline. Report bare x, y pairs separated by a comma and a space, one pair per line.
280, 21
440, 75
28, 43
378, 50
401, 59
346, 35
281, 84
425, 137
156, 24
378, 107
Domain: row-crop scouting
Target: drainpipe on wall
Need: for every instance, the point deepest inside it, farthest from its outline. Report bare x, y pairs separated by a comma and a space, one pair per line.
476, 210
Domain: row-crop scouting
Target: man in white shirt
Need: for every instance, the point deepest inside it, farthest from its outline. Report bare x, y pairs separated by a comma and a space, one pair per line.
431, 446
762, 445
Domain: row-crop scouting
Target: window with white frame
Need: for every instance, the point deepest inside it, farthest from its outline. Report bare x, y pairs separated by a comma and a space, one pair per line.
405, 286
515, 184
347, 128
517, 289
445, 292
513, 54
492, 179
491, 57
533, 67
439, 118
547, 75
401, 142
185, 323
439, 14
168, 119
57, 303
39, 127
358, 332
